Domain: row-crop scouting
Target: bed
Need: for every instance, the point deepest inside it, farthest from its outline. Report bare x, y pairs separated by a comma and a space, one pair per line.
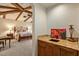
23, 35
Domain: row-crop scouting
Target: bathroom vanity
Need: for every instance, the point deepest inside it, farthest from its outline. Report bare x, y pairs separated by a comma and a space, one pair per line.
61, 48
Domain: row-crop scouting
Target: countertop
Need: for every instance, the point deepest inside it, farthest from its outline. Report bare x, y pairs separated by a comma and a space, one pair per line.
61, 42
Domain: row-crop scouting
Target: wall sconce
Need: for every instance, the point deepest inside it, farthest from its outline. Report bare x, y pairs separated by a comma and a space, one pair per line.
10, 27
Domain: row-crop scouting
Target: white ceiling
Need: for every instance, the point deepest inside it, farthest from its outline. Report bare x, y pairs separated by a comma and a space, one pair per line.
47, 5
14, 15
2, 10
24, 5
9, 4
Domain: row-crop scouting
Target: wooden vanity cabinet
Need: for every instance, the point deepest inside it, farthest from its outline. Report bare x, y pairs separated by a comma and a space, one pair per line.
78, 53
68, 52
52, 50
46, 49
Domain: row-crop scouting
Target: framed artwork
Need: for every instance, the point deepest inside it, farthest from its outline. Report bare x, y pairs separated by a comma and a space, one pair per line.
58, 33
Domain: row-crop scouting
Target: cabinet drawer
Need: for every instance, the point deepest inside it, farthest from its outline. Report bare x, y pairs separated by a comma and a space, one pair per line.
41, 43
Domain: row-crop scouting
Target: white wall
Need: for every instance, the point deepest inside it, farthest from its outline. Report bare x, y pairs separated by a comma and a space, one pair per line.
58, 16
62, 15
40, 24
6, 24
40, 20
13, 16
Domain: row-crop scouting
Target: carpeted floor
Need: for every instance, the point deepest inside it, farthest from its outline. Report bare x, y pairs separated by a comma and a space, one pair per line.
23, 48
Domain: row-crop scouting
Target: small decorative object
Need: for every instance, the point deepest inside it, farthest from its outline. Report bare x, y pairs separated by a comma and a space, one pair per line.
71, 30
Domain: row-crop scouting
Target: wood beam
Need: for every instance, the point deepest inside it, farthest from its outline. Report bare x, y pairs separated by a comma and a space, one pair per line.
7, 7
18, 6
8, 12
21, 8
29, 7
29, 14
28, 11
27, 18
19, 15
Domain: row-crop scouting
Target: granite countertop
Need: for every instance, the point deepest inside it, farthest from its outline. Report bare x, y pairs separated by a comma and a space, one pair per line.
61, 42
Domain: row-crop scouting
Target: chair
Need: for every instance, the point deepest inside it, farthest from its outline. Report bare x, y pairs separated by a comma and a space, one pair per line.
2, 42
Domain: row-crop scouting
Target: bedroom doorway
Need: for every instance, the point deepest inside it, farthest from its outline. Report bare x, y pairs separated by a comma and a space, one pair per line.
16, 22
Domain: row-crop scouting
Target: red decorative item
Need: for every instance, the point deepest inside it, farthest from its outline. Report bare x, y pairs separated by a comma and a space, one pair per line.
58, 33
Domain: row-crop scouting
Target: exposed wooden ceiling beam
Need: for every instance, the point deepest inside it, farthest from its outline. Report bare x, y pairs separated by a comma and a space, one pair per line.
29, 14
27, 18
29, 7
18, 6
8, 12
28, 11
21, 8
19, 15
7, 7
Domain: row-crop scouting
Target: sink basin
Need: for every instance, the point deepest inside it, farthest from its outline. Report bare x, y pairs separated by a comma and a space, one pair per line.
55, 40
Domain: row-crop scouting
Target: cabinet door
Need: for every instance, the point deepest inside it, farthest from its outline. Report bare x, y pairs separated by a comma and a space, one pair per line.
41, 48
52, 50
49, 51
56, 51
68, 52
78, 53
41, 51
